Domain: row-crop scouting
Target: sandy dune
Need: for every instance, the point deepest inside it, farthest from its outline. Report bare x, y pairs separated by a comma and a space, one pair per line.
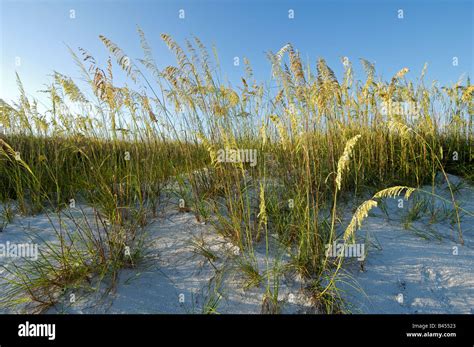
402, 273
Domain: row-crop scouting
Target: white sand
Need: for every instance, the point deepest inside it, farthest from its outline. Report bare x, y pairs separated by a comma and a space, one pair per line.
430, 277
171, 269
426, 272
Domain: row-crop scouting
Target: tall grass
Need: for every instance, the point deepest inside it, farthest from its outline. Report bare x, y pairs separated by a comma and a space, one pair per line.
317, 139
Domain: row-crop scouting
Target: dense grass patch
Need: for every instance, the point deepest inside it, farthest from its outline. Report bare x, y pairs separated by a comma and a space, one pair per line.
316, 141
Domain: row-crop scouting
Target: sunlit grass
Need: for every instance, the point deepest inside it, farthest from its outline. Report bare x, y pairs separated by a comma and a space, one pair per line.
316, 139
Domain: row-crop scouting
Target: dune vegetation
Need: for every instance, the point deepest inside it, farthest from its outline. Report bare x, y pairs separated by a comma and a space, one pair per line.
292, 155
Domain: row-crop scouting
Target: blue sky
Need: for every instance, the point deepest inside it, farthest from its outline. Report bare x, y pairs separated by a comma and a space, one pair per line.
431, 31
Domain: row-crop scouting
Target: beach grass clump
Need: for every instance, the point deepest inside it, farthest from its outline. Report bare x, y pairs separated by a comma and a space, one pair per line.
246, 159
